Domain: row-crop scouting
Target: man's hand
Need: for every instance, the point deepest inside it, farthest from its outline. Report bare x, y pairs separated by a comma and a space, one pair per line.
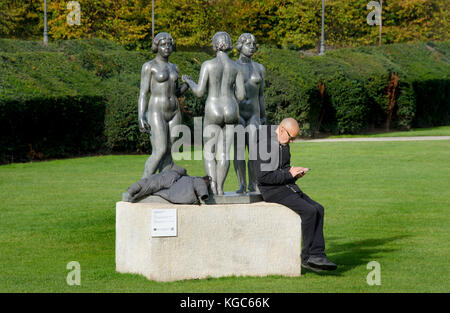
297, 171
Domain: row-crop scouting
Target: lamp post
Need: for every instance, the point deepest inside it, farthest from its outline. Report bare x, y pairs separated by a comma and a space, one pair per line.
381, 22
45, 24
153, 19
322, 39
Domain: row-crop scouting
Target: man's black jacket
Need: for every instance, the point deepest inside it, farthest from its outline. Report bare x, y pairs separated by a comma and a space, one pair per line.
274, 181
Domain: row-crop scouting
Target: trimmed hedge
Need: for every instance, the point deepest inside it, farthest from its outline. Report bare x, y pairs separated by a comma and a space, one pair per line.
355, 87
50, 106
345, 91
42, 128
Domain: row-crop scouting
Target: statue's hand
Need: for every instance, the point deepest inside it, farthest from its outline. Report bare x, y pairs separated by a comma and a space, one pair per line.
144, 127
186, 79
263, 120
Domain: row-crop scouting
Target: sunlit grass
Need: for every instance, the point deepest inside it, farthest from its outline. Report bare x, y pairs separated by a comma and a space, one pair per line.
384, 201
433, 131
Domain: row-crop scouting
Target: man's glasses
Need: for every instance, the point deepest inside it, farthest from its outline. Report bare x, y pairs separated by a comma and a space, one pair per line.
290, 137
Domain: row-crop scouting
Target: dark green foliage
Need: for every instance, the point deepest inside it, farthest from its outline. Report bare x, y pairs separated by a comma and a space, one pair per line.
47, 127
432, 100
356, 85
101, 64
345, 91
323, 93
50, 106
121, 127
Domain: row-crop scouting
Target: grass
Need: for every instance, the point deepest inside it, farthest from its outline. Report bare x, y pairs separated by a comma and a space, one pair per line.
433, 131
384, 201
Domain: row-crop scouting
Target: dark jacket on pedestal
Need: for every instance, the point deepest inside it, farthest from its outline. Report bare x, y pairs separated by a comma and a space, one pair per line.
172, 185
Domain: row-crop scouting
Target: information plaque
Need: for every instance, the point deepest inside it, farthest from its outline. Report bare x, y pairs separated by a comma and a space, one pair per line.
164, 223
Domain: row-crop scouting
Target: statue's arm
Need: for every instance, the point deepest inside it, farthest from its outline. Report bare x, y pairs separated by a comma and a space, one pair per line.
143, 95
240, 86
180, 89
262, 100
200, 88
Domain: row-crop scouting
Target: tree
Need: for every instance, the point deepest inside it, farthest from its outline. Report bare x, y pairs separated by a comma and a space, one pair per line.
21, 19
192, 23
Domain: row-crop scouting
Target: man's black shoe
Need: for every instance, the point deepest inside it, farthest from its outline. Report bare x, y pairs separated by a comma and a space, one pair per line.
305, 265
321, 263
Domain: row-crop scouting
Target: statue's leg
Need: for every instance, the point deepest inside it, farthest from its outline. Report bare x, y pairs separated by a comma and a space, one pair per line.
223, 152
210, 148
158, 138
239, 161
252, 151
167, 160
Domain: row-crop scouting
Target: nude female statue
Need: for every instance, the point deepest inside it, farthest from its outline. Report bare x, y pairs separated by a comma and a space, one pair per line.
159, 77
252, 109
225, 83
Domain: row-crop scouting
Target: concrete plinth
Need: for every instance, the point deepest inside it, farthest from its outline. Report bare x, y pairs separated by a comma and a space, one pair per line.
255, 239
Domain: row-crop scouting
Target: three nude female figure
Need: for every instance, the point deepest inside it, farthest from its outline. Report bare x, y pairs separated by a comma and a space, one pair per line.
234, 96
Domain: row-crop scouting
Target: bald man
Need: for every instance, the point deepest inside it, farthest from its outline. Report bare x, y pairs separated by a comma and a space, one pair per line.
276, 182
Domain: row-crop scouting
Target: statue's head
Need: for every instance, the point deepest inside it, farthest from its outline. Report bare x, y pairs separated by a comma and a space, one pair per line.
221, 41
246, 44
163, 39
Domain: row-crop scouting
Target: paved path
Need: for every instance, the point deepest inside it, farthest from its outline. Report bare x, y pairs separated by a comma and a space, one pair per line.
417, 138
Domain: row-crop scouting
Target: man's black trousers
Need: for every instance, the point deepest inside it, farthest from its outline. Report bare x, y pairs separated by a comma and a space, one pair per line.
312, 215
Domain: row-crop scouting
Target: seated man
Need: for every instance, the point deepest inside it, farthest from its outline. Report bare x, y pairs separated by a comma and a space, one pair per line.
173, 185
276, 182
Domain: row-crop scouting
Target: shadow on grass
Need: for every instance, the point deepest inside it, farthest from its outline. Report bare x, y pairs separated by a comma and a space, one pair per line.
356, 253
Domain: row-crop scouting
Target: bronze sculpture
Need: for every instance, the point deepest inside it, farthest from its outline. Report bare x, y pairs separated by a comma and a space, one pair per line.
159, 77
225, 83
252, 109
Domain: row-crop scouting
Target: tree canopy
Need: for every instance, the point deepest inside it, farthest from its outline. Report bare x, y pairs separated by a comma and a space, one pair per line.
285, 23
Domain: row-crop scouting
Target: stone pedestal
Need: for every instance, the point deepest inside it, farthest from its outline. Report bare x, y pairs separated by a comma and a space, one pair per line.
254, 239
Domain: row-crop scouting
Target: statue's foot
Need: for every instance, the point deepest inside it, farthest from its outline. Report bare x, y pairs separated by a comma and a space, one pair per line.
253, 188
126, 197
219, 192
241, 189
213, 188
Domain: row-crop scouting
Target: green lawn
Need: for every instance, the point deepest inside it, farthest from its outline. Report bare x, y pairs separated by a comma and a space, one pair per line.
385, 201
433, 131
